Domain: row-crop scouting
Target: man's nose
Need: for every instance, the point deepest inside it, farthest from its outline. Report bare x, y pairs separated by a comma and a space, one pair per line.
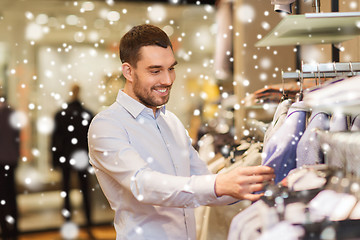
167, 78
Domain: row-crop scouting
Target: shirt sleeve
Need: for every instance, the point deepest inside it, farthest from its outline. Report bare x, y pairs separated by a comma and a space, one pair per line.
111, 152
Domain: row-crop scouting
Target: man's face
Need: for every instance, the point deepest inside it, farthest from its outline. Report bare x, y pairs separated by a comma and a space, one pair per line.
154, 75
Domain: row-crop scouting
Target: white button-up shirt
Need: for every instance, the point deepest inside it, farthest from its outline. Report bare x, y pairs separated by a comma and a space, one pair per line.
149, 171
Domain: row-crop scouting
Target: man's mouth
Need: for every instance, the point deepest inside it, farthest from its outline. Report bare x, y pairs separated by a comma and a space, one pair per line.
162, 91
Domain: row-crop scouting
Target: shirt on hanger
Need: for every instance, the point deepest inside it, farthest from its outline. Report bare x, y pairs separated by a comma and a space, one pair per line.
355, 125
309, 150
338, 123
153, 190
280, 152
278, 119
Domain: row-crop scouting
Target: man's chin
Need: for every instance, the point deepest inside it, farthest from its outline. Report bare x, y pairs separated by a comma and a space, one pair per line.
156, 101
162, 101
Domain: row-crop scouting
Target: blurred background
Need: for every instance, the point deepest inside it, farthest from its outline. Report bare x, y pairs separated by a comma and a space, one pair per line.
47, 46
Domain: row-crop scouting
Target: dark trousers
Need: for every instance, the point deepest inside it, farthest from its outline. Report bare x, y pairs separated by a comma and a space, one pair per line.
8, 204
84, 180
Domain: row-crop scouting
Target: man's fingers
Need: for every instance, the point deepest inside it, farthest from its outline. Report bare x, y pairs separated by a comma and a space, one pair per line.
252, 197
256, 187
253, 170
266, 177
257, 178
242, 182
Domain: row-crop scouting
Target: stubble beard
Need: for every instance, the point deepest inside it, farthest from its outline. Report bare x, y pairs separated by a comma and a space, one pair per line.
147, 97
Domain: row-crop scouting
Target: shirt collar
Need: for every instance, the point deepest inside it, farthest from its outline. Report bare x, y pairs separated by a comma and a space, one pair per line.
134, 107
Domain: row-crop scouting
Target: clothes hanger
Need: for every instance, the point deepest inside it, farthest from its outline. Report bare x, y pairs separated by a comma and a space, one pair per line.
351, 69
300, 95
317, 83
337, 78
284, 94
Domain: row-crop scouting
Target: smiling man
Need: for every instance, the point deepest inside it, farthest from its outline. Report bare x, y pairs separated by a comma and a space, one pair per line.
143, 157
151, 79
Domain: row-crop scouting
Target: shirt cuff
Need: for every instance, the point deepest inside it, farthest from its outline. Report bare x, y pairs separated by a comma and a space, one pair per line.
204, 187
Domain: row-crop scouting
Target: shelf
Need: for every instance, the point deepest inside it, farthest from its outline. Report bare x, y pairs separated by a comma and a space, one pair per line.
298, 75
314, 28
325, 70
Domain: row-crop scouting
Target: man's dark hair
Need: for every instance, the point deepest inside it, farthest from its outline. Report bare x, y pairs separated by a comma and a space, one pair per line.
140, 36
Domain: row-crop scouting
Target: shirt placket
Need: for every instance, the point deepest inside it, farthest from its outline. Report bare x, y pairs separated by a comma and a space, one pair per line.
167, 143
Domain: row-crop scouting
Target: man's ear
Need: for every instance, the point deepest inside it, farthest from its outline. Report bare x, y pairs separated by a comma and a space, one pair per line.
127, 71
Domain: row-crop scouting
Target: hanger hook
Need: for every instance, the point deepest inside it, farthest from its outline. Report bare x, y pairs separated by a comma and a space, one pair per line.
299, 95
282, 81
302, 76
284, 96
282, 77
318, 70
324, 78
351, 69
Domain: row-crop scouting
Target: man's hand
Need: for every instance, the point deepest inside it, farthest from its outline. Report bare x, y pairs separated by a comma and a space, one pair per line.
242, 182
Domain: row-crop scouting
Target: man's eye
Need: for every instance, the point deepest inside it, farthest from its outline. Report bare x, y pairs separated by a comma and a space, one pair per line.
172, 68
155, 72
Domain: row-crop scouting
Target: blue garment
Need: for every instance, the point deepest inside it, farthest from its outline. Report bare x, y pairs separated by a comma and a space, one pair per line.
280, 152
309, 149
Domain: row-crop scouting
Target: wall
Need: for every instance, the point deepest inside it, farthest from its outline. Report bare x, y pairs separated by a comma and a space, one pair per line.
256, 67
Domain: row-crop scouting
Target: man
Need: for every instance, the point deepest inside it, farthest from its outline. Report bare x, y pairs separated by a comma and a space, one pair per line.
70, 149
143, 157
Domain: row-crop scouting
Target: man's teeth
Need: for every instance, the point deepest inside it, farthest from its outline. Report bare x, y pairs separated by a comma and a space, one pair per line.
162, 90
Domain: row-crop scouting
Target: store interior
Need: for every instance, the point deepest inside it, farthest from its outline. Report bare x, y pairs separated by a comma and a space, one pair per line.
230, 53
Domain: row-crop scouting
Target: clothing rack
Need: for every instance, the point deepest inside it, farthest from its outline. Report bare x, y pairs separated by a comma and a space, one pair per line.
324, 70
